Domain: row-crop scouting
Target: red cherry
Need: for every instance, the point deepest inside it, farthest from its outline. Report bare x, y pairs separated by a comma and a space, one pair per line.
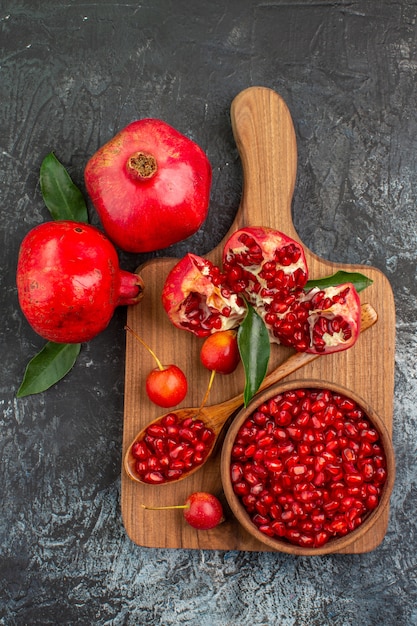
166, 385
202, 510
220, 352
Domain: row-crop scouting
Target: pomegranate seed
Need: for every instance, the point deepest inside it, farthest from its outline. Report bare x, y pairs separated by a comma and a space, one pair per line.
369, 434
380, 475
197, 459
165, 461
156, 430
249, 500
153, 477
141, 467
177, 464
371, 502
170, 419
154, 464
367, 471
267, 529
261, 508
250, 450
173, 474
274, 466
354, 479
241, 488
258, 455
236, 472
140, 450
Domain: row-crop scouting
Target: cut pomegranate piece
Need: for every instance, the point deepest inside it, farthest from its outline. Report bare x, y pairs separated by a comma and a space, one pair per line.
269, 269
319, 321
197, 299
264, 265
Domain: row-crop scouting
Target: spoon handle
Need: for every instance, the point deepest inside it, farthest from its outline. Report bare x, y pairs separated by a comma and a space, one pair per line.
368, 318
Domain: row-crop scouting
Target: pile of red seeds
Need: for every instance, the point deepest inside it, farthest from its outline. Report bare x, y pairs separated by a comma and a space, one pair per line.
170, 449
308, 465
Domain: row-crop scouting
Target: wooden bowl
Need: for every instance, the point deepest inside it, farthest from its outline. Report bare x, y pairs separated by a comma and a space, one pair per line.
335, 544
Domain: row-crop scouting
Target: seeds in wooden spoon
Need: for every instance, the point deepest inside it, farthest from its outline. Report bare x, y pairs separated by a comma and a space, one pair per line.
171, 448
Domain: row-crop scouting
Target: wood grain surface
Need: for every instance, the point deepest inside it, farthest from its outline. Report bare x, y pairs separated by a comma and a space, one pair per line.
265, 138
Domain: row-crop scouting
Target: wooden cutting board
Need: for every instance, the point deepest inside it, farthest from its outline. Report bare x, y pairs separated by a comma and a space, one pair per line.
265, 138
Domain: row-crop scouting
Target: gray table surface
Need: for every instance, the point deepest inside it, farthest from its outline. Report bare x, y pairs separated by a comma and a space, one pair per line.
71, 75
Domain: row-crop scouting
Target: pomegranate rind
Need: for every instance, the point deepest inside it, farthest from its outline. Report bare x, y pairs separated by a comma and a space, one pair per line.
195, 303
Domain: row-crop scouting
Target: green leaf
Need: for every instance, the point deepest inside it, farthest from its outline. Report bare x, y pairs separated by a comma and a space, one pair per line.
254, 348
51, 364
359, 281
63, 199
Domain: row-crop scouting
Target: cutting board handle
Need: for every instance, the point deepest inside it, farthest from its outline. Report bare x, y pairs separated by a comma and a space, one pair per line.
265, 138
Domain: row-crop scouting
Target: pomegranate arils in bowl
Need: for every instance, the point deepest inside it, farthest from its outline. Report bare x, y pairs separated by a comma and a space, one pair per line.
169, 450
308, 468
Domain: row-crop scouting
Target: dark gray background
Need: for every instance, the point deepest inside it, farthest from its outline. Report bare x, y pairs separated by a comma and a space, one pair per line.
71, 75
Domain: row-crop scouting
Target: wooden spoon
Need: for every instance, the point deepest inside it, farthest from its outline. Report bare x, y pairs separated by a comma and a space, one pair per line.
216, 415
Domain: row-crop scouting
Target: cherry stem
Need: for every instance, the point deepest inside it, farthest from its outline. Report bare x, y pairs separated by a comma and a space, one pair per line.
158, 362
165, 508
206, 395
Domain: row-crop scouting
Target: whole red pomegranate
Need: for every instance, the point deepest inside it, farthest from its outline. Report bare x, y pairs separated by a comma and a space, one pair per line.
150, 186
69, 281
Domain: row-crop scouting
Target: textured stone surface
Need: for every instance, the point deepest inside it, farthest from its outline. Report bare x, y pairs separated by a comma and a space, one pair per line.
71, 75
